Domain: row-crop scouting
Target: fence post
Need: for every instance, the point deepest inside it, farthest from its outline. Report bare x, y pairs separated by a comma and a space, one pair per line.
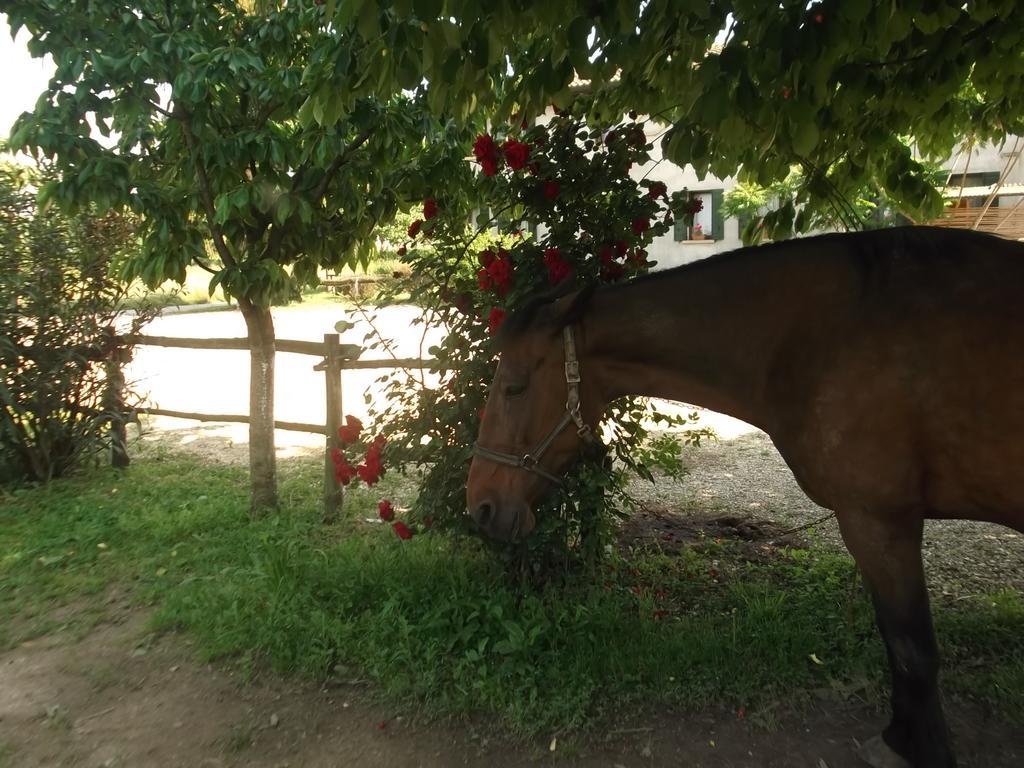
333, 493
114, 404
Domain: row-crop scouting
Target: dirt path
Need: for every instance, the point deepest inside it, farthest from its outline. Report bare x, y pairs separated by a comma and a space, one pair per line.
121, 698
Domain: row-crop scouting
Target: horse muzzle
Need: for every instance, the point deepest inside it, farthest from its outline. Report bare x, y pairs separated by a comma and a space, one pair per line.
503, 522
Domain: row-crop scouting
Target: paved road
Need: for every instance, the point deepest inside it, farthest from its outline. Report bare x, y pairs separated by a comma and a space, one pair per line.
204, 381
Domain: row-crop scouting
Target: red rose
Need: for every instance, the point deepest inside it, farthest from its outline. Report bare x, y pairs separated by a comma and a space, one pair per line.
486, 258
483, 280
430, 208
369, 472
404, 531
551, 189
500, 273
517, 154
558, 268
640, 226
486, 153
414, 228
495, 319
343, 471
385, 510
350, 432
657, 189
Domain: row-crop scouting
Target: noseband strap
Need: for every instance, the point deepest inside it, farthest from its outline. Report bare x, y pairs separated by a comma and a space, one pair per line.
531, 461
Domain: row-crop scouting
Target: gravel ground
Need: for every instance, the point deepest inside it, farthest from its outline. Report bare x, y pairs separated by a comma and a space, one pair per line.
746, 476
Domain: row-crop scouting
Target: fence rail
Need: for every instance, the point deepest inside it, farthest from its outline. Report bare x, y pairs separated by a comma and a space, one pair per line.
336, 358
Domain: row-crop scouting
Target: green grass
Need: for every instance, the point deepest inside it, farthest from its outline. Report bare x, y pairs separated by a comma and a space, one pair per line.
434, 621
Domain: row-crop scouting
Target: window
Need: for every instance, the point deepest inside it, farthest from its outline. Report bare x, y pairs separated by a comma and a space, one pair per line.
710, 219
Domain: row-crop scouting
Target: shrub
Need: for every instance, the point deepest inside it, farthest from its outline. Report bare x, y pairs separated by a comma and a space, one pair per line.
58, 331
555, 205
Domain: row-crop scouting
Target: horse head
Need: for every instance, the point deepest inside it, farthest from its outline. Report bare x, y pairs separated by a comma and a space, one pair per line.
539, 414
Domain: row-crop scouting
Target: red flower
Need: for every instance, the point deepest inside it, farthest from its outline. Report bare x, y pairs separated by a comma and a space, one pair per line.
657, 189
385, 510
819, 18
486, 153
695, 205
551, 189
404, 531
486, 258
517, 154
414, 228
495, 319
558, 268
499, 272
621, 246
640, 226
430, 208
343, 471
606, 255
786, 93
349, 433
370, 472
402, 251
483, 280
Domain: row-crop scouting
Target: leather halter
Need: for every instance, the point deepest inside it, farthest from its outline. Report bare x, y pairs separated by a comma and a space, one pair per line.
531, 461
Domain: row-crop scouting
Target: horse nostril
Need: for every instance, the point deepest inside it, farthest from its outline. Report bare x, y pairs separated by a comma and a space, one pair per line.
484, 514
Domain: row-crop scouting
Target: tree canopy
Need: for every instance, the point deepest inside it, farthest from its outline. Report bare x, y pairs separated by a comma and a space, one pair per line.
198, 109
831, 86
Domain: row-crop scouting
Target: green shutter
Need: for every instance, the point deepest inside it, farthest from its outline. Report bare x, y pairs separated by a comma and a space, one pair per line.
679, 232
717, 219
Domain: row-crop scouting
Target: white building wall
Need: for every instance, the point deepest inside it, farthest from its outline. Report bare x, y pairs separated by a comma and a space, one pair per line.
665, 250
991, 158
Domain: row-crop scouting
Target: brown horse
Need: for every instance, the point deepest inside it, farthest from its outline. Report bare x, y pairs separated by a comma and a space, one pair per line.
887, 367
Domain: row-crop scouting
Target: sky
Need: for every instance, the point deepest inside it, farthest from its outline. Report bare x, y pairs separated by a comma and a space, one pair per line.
24, 77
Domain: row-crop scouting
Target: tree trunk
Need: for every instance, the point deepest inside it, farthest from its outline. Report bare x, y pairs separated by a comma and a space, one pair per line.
262, 459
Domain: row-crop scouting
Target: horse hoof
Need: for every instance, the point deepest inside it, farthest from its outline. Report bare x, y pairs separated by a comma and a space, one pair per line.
876, 753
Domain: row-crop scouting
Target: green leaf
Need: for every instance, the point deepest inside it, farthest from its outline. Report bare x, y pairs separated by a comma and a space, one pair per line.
805, 137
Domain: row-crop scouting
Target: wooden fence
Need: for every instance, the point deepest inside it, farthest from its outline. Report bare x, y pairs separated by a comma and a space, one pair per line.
336, 357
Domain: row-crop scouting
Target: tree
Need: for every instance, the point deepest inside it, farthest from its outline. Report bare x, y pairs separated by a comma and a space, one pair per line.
831, 86
212, 132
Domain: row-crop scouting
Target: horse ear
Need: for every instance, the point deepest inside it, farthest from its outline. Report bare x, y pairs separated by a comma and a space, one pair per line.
569, 309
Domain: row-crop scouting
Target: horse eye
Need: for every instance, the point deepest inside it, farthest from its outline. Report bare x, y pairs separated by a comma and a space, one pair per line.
511, 390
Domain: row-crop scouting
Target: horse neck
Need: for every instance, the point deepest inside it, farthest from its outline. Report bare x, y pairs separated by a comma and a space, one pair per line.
705, 335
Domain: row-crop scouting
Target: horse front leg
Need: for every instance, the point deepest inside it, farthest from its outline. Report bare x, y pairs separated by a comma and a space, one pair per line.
887, 549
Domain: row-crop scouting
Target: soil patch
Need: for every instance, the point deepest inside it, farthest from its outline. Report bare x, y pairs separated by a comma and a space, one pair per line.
122, 697
668, 531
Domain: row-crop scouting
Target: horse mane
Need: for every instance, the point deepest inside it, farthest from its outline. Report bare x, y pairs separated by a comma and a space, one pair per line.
538, 310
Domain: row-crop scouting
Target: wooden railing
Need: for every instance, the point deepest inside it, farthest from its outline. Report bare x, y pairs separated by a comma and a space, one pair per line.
335, 358
1005, 221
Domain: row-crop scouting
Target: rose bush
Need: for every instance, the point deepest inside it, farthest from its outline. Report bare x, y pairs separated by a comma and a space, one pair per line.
553, 203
